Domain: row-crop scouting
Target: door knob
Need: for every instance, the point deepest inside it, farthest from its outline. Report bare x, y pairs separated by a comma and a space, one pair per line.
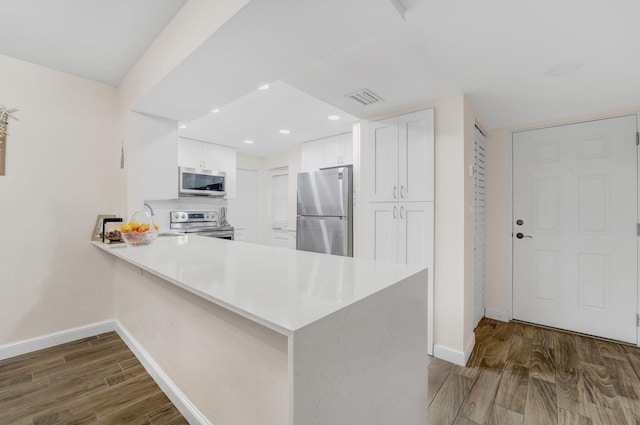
521, 235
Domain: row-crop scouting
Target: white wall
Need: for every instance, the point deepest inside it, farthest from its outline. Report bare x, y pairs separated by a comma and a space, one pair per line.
498, 207
63, 169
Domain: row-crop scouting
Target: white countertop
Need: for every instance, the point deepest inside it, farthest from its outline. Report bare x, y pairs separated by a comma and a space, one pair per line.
282, 289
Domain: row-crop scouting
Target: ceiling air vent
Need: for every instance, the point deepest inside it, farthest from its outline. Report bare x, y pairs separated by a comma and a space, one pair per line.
365, 97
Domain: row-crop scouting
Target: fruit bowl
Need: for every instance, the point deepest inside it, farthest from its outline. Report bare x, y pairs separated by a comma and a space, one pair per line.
140, 230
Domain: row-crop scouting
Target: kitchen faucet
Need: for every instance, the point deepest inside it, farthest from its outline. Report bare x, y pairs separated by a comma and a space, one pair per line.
150, 209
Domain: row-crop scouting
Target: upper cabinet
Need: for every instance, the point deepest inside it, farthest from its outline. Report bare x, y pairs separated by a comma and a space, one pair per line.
329, 152
158, 158
402, 158
197, 154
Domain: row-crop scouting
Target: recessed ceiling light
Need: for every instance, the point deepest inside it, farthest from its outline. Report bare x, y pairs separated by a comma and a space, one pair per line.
285, 131
333, 117
248, 142
215, 111
183, 126
263, 87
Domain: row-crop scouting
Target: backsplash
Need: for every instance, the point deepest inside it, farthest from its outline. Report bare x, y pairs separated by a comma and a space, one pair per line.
162, 209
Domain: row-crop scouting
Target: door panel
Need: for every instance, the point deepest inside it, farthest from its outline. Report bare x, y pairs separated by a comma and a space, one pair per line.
383, 228
327, 235
384, 151
416, 148
325, 193
416, 233
575, 262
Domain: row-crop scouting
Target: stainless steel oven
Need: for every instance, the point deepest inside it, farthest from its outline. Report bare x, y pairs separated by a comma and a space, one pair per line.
203, 223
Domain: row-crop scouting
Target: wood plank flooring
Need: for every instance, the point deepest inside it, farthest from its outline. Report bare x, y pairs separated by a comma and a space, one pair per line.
95, 380
517, 375
520, 374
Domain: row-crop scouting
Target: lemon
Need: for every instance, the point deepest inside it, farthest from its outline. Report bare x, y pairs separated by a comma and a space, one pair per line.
156, 226
134, 224
125, 228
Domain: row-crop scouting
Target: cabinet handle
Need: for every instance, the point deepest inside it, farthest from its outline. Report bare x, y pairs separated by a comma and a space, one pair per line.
401, 209
394, 212
402, 191
395, 192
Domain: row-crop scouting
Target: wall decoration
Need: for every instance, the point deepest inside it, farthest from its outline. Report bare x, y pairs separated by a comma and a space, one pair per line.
111, 230
5, 114
97, 231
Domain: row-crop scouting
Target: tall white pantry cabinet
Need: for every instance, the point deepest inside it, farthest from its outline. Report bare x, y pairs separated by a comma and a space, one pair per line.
401, 189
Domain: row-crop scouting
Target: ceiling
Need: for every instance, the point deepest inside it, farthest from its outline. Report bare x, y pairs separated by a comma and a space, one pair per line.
94, 39
518, 62
260, 115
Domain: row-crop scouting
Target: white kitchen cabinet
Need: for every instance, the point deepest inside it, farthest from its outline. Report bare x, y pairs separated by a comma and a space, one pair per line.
158, 158
189, 153
240, 234
402, 232
402, 158
328, 152
197, 154
279, 237
229, 167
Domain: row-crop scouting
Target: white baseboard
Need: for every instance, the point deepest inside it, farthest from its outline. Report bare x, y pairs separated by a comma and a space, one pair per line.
502, 316
469, 348
177, 397
53, 339
447, 354
454, 356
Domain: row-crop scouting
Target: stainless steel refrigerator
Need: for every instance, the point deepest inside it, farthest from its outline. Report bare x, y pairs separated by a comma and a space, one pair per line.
325, 211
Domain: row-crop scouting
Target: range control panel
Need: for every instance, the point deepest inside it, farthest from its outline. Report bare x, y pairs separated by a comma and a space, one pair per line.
194, 216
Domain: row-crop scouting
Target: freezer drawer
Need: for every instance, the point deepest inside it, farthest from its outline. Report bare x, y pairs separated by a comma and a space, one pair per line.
327, 235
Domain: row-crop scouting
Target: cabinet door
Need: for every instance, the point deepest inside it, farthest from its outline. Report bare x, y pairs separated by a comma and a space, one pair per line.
212, 156
331, 151
383, 231
415, 240
383, 164
416, 154
312, 156
347, 149
229, 167
189, 153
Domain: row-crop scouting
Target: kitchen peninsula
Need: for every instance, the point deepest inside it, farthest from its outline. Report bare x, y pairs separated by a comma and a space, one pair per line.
255, 334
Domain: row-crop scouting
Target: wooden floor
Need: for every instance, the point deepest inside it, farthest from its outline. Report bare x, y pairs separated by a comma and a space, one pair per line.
518, 374
521, 374
96, 380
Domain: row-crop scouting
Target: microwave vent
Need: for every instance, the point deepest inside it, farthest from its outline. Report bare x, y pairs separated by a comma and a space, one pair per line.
365, 97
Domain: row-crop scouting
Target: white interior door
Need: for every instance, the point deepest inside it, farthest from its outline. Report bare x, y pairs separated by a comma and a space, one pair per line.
575, 227
244, 210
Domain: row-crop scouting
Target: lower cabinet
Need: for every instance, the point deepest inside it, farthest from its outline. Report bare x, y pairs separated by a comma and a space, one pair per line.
401, 232
285, 238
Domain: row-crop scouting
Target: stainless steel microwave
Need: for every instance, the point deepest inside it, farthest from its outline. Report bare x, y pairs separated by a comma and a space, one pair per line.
200, 182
